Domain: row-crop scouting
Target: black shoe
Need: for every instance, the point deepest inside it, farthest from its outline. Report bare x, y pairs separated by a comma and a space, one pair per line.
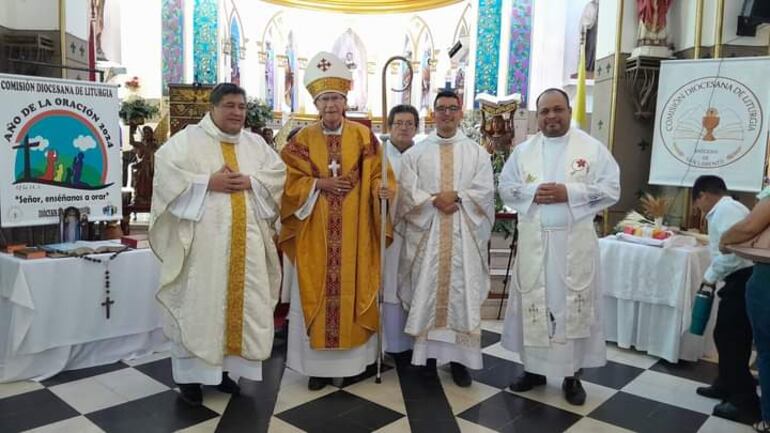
527, 381
318, 383
429, 369
712, 391
746, 413
228, 385
191, 393
573, 391
460, 375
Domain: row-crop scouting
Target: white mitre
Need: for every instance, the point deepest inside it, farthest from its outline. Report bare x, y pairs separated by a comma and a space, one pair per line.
326, 73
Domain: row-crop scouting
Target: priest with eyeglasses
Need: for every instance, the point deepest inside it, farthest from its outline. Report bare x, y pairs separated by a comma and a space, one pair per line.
445, 215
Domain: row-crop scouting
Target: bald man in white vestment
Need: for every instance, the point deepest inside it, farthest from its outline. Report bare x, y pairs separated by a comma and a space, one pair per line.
557, 181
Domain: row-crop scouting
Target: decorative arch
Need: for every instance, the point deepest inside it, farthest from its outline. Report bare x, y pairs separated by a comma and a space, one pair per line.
426, 56
459, 66
273, 42
274, 30
351, 49
420, 32
410, 52
237, 41
462, 29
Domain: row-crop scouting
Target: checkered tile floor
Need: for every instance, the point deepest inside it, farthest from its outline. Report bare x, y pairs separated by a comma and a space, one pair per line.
634, 392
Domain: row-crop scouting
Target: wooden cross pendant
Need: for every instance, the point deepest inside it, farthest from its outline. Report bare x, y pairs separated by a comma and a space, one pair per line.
106, 304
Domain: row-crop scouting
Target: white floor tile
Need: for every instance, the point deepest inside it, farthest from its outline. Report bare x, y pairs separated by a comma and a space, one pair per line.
16, 388
388, 393
720, 425
294, 391
209, 426
469, 427
88, 395
492, 325
400, 426
630, 357
498, 351
131, 384
672, 390
215, 400
147, 359
279, 426
590, 425
552, 395
462, 399
78, 424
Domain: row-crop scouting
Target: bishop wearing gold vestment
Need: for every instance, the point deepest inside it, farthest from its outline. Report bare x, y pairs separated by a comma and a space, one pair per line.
330, 216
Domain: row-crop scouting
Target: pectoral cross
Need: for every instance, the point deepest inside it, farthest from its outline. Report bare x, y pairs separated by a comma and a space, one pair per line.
106, 304
533, 312
334, 167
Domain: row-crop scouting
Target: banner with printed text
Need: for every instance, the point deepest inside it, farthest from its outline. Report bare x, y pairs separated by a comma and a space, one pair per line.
712, 118
60, 148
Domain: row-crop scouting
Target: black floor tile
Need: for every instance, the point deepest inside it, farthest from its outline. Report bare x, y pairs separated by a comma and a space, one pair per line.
506, 412
489, 338
497, 372
647, 416
33, 409
433, 426
160, 413
613, 375
371, 371
340, 411
73, 375
252, 410
701, 371
159, 370
424, 399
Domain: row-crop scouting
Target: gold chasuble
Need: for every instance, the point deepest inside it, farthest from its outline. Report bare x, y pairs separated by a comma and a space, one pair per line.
336, 249
236, 277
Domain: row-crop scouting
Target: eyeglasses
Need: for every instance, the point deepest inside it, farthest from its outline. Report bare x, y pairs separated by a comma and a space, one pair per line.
450, 109
402, 124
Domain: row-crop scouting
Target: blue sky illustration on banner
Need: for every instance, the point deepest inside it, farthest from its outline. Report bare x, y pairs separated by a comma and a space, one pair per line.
61, 149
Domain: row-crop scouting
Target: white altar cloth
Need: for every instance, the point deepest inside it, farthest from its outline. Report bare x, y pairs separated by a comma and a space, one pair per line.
648, 295
51, 317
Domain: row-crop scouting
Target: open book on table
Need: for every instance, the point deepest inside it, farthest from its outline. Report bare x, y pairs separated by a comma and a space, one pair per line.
81, 248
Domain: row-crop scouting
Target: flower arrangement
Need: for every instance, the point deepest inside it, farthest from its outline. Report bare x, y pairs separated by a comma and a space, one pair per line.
136, 110
133, 84
258, 113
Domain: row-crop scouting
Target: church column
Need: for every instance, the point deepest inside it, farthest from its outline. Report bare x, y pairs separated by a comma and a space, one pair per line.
189, 66
206, 41
505, 47
173, 46
520, 40
488, 47
613, 121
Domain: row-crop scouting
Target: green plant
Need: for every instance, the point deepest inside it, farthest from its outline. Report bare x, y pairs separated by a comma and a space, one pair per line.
258, 113
135, 111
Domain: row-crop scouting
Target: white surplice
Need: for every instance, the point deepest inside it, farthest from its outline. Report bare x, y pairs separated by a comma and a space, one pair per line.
190, 233
300, 357
443, 270
553, 320
395, 340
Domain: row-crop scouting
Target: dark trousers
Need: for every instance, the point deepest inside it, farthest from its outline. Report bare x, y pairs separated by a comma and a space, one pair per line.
732, 335
758, 303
